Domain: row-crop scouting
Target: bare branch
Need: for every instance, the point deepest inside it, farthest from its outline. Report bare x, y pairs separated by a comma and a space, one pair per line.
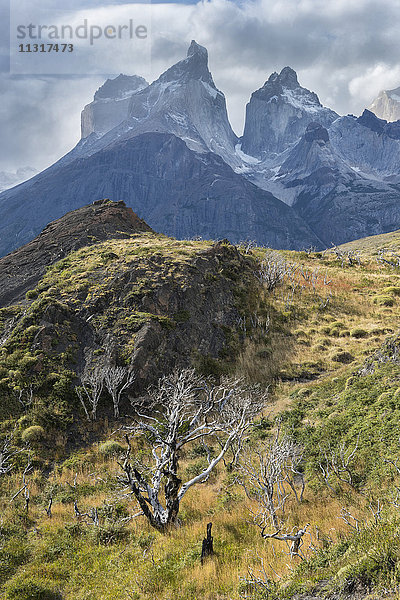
117, 380
184, 408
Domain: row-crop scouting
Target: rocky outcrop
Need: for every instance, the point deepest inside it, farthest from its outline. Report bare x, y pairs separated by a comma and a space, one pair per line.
279, 113
143, 300
21, 270
110, 106
387, 105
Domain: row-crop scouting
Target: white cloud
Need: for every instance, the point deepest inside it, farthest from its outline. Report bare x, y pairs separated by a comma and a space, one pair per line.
374, 79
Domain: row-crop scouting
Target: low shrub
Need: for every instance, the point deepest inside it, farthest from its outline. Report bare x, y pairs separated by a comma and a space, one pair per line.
111, 448
394, 290
358, 333
384, 300
33, 434
343, 357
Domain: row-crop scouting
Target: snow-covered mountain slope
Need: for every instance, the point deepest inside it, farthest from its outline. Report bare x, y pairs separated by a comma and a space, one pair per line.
334, 199
387, 105
183, 101
278, 114
110, 105
369, 145
9, 180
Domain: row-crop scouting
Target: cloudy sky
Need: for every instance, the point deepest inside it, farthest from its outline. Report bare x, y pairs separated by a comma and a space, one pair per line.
345, 50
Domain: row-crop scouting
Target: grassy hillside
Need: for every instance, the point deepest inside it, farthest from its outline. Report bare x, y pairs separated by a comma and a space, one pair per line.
371, 245
324, 339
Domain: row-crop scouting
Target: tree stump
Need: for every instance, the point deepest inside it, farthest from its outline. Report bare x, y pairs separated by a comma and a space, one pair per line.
207, 547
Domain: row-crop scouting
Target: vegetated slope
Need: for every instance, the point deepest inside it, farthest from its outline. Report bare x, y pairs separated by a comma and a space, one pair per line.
102, 220
141, 300
376, 244
325, 336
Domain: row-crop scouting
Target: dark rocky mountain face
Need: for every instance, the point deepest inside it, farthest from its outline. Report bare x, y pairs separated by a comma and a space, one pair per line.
169, 151
335, 200
369, 145
278, 114
102, 220
368, 119
176, 190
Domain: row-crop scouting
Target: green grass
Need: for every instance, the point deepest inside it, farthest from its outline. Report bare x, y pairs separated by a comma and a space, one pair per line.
334, 385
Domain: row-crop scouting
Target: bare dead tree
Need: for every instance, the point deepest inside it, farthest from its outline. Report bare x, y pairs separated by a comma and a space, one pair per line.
117, 380
273, 270
7, 453
246, 246
388, 258
350, 519
295, 537
49, 506
92, 516
25, 487
90, 392
257, 583
352, 257
268, 476
25, 396
182, 409
338, 463
207, 548
324, 301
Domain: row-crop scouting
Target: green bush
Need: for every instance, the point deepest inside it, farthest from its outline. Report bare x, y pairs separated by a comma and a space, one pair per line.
343, 357
358, 333
109, 533
394, 290
111, 448
33, 434
384, 300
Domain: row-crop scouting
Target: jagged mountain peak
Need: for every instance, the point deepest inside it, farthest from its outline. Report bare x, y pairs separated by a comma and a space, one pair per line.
110, 105
184, 101
287, 78
195, 48
120, 86
279, 113
286, 87
194, 66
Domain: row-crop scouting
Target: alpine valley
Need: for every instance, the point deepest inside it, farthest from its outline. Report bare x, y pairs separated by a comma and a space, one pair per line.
300, 176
